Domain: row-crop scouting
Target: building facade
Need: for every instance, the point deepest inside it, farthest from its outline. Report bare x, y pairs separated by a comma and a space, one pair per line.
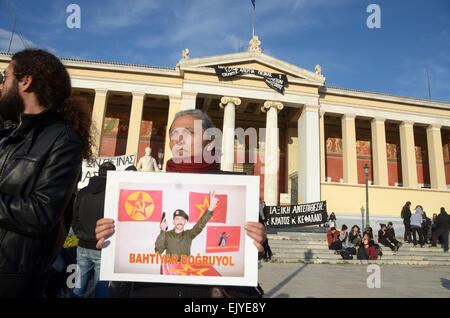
326, 134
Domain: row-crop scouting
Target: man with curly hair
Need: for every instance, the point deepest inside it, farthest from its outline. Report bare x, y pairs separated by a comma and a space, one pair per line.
44, 138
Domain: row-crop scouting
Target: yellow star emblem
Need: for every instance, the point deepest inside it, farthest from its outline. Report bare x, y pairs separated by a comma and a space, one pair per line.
203, 207
139, 205
188, 270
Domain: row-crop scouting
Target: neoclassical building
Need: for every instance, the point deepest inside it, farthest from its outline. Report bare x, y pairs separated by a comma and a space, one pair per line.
326, 134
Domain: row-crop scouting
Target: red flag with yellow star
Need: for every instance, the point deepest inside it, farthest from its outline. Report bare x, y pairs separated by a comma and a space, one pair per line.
199, 203
140, 206
189, 270
220, 239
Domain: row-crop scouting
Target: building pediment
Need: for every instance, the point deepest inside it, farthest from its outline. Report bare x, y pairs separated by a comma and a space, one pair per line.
252, 60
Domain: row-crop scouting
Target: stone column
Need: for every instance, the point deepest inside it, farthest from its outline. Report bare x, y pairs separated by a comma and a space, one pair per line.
271, 157
174, 107
134, 126
188, 100
228, 104
98, 116
309, 174
322, 145
379, 156
408, 153
349, 149
436, 157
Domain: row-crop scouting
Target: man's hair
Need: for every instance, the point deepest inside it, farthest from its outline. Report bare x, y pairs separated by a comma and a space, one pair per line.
197, 113
131, 168
344, 227
408, 203
105, 167
53, 89
390, 223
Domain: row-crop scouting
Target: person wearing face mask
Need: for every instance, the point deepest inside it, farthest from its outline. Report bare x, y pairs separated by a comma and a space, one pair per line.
416, 225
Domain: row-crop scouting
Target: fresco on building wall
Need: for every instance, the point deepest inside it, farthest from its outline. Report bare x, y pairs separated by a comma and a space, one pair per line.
153, 130
146, 129
363, 149
392, 151
116, 125
446, 150
152, 135
111, 126
334, 146
421, 154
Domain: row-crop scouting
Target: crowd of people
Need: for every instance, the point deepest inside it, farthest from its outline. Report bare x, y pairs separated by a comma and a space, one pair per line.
427, 231
419, 230
354, 242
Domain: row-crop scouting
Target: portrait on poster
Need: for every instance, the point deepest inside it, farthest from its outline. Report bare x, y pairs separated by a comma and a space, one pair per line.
180, 228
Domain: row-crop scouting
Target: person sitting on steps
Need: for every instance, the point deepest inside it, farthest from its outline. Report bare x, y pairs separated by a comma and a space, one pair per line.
333, 240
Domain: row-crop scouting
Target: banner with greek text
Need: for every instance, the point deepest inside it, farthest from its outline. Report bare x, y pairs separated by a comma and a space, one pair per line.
296, 215
274, 80
90, 168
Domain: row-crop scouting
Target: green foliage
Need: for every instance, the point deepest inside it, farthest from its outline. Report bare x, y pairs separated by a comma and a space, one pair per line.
71, 245
71, 242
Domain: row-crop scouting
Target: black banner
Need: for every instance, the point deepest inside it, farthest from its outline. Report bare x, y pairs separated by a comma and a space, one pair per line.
296, 215
273, 80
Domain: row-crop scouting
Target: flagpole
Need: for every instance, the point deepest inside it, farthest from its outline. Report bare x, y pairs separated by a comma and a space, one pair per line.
253, 22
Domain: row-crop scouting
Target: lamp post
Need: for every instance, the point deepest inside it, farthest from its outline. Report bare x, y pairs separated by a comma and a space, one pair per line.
160, 158
366, 174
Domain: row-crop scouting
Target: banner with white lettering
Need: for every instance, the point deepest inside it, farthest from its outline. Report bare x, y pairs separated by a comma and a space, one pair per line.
90, 168
274, 80
296, 215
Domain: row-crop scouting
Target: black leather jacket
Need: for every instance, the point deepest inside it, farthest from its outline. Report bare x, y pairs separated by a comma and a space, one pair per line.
40, 164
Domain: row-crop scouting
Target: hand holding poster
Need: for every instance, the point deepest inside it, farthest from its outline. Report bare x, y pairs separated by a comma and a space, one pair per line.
296, 215
180, 228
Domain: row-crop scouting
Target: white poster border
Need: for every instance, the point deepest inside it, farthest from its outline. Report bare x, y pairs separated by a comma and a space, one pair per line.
250, 277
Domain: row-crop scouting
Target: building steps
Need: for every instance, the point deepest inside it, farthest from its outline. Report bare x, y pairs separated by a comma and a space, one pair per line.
303, 247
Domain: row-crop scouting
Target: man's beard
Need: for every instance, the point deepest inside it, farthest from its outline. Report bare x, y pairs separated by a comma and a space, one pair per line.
11, 104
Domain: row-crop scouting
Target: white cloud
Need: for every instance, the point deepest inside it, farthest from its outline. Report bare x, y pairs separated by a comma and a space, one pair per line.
120, 13
211, 27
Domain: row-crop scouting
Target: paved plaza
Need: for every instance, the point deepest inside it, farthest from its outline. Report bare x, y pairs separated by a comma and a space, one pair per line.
296, 280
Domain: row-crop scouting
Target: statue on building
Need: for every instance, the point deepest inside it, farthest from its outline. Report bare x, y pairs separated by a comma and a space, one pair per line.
185, 54
318, 69
255, 45
147, 163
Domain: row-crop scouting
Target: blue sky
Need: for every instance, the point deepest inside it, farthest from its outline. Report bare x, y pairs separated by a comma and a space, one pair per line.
414, 36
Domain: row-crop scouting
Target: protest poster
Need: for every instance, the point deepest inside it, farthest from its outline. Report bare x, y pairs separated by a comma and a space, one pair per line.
210, 249
286, 216
90, 167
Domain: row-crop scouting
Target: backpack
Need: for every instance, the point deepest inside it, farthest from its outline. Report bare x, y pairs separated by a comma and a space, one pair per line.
352, 250
336, 245
346, 254
361, 254
379, 250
